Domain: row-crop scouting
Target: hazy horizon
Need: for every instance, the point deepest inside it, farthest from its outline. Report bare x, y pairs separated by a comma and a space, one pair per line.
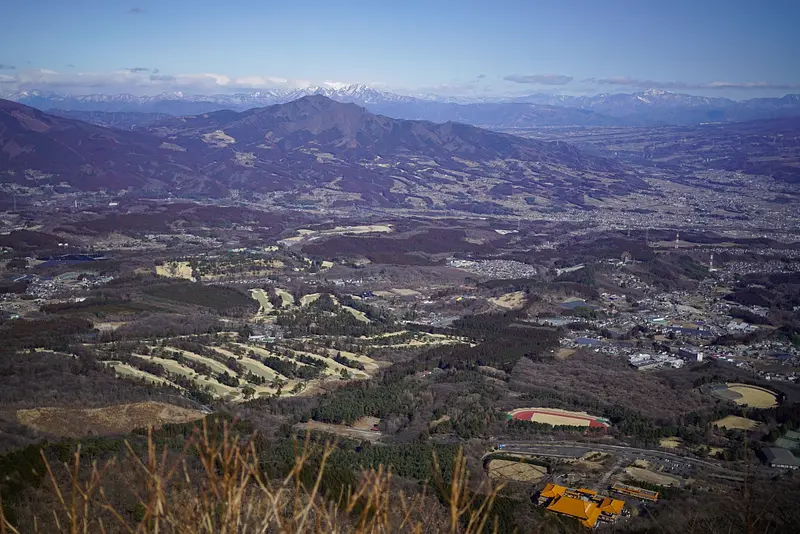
737, 50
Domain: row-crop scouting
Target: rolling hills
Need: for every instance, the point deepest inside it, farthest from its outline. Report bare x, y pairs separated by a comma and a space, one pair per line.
40, 150
644, 108
313, 151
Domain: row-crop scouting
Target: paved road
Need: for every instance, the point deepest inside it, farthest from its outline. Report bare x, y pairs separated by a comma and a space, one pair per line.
564, 449
603, 482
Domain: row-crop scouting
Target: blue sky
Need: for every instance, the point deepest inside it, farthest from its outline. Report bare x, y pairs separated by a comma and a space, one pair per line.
731, 48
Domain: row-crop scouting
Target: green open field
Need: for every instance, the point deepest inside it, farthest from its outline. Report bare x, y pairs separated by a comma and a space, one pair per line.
214, 364
126, 370
259, 369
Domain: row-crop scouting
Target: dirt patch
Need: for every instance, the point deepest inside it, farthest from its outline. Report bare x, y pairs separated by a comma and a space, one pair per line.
341, 430
564, 353
367, 423
119, 419
510, 301
406, 292
516, 471
218, 139
670, 443
644, 475
309, 235
108, 326
176, 269
593, 461
736, 422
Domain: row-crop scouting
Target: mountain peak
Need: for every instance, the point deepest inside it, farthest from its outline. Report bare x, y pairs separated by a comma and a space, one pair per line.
318, 101
657, 92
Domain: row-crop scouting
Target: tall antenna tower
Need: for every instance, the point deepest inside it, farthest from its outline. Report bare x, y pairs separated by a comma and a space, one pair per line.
711, 263
677, 239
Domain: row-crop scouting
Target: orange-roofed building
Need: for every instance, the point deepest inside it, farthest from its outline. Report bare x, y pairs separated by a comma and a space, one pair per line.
551, 491
611, 507
583, 504
586, 512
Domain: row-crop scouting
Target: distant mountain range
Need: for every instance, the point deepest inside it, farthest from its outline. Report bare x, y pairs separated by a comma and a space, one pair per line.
313, 151
647, 108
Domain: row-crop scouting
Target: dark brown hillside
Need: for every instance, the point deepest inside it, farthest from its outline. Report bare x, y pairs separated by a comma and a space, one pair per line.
312, 147
34, 145
352, 131
315, 145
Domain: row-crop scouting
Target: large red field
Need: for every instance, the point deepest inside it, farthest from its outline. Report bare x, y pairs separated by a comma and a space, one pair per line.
557, 417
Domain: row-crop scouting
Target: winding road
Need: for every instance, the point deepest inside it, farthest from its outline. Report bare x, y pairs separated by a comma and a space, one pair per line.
566, 449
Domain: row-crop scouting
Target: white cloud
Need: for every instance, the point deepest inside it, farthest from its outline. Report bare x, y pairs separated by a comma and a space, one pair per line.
678, 85
539, 79
140, 81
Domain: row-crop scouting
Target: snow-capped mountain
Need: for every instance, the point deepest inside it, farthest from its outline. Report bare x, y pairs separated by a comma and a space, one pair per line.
359, 94
355, 93
650, 97
651, 107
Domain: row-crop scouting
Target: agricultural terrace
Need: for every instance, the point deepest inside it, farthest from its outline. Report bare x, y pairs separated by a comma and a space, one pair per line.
557, 417
743, 394
221, 366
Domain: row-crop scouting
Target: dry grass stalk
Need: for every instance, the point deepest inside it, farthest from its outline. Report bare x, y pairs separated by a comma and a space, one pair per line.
233, 496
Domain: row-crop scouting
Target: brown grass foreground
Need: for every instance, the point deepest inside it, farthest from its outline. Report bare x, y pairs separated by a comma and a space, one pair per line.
232, 495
